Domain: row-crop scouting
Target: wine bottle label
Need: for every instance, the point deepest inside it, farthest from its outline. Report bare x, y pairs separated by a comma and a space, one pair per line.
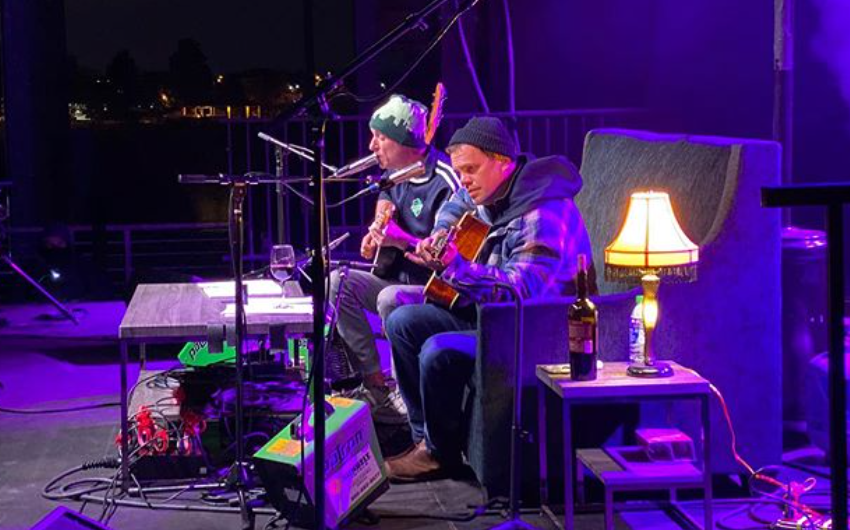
582, 337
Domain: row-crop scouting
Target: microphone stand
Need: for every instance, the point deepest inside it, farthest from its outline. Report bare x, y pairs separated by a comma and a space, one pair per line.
280, 169
514, 521
239, 473
238, 477
317, 103
279, 148
319, 273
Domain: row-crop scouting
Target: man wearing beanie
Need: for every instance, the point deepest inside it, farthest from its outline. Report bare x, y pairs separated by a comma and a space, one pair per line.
536, 236
398, 139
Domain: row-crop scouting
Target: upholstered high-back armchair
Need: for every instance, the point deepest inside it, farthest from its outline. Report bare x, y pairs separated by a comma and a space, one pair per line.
726, 325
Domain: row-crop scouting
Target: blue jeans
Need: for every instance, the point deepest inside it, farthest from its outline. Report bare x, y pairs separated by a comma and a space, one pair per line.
434, 355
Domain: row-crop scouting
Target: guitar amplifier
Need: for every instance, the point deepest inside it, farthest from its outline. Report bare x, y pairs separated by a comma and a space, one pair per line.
354, 468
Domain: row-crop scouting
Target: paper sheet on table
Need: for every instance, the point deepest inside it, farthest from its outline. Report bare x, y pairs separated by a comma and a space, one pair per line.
300, 305
255, 288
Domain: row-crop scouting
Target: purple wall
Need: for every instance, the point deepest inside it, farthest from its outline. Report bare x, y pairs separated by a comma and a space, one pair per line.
701, 67
705, 66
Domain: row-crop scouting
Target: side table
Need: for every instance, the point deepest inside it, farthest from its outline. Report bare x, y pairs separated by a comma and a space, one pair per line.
614, 386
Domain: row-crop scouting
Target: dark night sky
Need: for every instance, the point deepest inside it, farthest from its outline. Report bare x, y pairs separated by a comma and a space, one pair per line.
234, 34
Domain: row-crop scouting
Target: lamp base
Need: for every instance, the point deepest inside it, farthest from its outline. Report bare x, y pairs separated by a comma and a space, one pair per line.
656, 369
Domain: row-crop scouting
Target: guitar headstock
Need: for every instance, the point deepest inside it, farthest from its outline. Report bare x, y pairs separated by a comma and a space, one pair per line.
436, 114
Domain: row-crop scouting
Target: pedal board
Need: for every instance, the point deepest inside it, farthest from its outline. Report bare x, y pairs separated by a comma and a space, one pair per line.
183, 421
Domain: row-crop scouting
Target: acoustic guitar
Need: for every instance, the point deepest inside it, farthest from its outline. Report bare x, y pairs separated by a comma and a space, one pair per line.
468, 234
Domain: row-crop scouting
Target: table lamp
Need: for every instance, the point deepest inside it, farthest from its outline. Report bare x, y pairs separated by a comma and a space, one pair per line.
651, 246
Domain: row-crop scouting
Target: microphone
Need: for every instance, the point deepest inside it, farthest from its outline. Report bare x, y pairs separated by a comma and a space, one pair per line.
338, 241
355, 167
194, 178
329, 247
416, 169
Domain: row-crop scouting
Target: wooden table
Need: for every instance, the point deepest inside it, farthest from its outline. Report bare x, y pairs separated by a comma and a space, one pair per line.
613, 385
177, 312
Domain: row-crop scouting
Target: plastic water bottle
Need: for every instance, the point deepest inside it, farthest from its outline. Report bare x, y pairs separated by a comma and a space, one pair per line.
636, 333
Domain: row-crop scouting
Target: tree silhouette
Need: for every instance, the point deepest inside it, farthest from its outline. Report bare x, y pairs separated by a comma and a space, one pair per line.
190, 74
123, 77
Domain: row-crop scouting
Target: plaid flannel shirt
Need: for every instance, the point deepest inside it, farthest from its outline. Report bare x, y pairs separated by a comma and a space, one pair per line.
536, 253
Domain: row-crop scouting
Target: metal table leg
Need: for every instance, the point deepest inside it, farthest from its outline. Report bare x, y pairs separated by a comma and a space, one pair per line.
125, 468
708, 497
542, 456
568, 465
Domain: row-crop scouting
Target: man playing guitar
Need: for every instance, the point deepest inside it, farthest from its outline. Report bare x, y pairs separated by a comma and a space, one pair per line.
404, 215
530, 234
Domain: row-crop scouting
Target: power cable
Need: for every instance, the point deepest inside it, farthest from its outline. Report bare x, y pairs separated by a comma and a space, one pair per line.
476, 83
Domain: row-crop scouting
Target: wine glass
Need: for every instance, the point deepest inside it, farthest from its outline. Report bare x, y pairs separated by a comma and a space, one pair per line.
282, 262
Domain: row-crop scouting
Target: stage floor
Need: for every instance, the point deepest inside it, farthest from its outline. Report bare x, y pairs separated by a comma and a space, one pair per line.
50, 363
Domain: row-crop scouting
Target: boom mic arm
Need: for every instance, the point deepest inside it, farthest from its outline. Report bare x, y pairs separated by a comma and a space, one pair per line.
303, 152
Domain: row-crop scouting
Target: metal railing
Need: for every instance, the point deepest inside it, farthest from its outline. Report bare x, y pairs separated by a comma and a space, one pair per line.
150, 252
154, 252
540, 132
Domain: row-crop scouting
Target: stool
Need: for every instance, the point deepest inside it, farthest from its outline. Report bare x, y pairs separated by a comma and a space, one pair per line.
624, 469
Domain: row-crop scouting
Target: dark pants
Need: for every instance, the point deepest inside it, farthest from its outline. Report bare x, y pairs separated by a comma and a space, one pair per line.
363, 291
434, 355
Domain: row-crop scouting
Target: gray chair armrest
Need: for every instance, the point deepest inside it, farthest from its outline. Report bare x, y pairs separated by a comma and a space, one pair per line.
492, 384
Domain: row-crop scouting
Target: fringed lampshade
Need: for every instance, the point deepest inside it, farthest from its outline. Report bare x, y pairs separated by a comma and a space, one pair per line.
651, 246
651, 241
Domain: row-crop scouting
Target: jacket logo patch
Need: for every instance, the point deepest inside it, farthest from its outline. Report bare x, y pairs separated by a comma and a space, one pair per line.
416, 206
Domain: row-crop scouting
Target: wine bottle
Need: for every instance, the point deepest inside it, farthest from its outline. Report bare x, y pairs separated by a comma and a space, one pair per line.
582, 319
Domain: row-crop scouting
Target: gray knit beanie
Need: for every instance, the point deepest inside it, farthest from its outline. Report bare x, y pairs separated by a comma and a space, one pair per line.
401, 119
487, 134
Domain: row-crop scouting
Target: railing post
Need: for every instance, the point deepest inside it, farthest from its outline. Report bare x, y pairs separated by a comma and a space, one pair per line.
128, 253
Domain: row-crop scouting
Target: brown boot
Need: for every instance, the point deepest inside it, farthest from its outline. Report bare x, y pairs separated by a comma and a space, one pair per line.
415, 466
402, 454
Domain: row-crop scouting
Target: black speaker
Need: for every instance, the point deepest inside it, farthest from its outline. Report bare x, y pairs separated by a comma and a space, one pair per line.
63, 518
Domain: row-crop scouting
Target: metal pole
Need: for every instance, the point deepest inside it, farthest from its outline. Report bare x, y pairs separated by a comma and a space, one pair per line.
837, 384
280, 172
319, 273
783, 88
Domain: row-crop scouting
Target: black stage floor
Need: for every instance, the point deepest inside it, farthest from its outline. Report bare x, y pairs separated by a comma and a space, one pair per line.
49, 363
